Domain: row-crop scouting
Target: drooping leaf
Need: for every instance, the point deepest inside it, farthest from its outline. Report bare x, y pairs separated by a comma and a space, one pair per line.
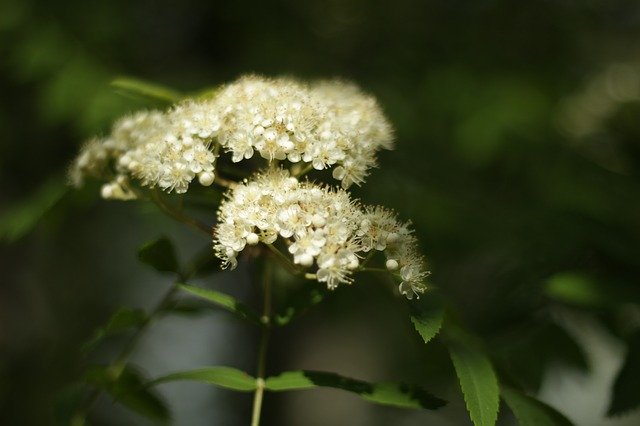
139, 88
224, 301
225, 377
427, 315
160, 255
625, 388
394, 394
531, 412
22, 217
477, 377
299, 302
128, 388
122, 320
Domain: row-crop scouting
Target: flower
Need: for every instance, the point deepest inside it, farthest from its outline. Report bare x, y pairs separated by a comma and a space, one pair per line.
323, 228
326, 124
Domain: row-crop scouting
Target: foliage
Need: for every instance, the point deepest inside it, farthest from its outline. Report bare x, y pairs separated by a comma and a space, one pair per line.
521, 217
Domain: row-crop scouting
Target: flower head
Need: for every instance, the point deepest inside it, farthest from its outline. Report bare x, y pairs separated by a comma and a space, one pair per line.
327, 124
323, 229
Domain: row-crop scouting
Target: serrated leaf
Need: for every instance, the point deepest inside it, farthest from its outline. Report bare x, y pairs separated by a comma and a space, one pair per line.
625, 388
224, 301
128, 388
531, 412
120, 321
301, 301
160, 255
477, 377
427, 315
144, 89
225, 377
20, 218
394, 394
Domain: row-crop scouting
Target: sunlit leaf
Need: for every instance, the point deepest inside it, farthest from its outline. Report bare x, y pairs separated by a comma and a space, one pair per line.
120, 321
225, 377
398, 395
223, 301
575, 288
625, 388
140, 88
160, 255
477, 377
530, 411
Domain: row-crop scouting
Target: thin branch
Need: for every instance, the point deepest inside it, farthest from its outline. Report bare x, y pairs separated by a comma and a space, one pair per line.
178, 215
283, 260
264, 344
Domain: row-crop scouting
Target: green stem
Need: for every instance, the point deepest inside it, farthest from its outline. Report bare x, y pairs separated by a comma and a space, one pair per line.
284, 260
225, 183
178, 215
264, 344
301, 171
373, 269
117, 367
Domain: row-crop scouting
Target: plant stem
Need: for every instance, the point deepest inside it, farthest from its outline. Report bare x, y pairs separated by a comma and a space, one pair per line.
178, 215
374, 269
284, 260
117, 367
302, 170
225, 183
264, 344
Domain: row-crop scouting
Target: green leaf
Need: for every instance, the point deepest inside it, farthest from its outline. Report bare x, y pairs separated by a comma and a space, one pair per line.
476, 375
625, 388
139, 88
204, 264
129, 389
427, 316
19, 219
530, 411
299, 302
225, 377
224, 301
398, 395
160, 255
120, 321
186, 308
575, 288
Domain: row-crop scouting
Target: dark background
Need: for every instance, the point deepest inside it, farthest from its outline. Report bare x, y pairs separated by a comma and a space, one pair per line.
518, 160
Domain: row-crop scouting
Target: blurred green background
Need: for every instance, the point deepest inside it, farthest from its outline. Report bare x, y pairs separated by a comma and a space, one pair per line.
518, 160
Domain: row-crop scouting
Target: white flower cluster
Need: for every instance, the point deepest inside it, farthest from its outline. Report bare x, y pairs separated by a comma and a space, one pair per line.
328, 123
320, 226
167, 150
325, 124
